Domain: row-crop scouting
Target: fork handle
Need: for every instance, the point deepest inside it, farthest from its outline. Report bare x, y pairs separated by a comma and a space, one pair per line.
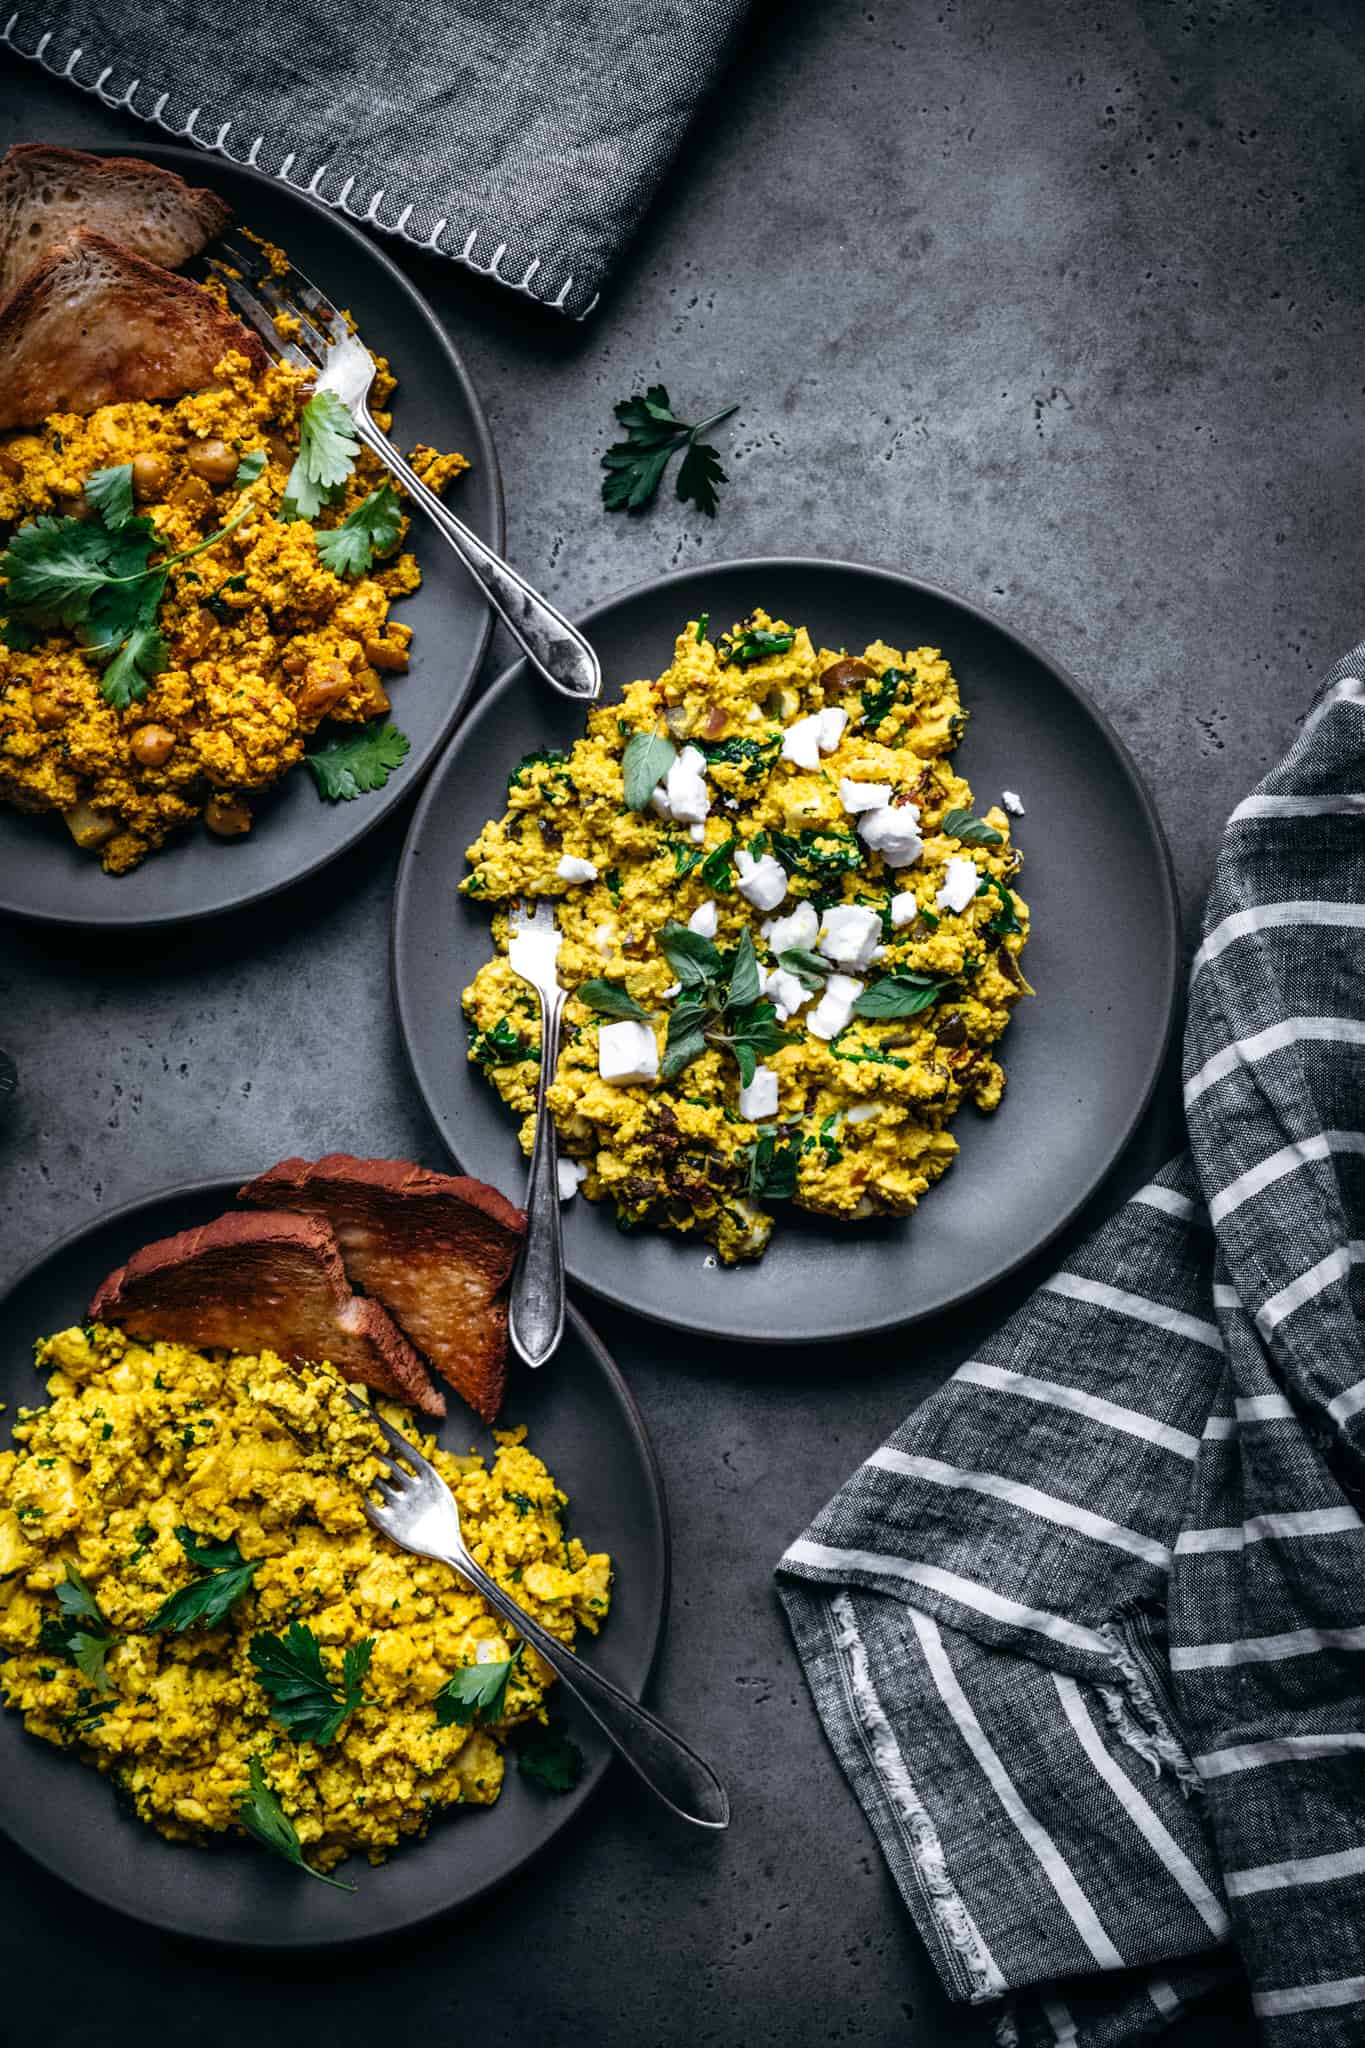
553, 647
673, 1772
535, 1308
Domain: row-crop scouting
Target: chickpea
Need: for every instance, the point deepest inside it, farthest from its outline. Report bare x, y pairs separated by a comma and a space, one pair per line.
386, 654
227, 817
214, 461
152, 745
151, 475
51, 703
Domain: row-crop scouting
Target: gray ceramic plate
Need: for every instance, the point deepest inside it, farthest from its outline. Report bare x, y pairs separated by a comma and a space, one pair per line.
1082, 1058
583, 1421
43, 874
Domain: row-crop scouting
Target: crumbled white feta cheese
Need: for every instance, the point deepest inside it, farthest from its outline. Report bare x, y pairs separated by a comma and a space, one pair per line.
758, 1100
674, 989
572, 1173
685, 788
835, 1006
801, 742
960, 884
832, 723
604, 939
787, 992
849, 935
704, 920
627, 1052
762, 882
798, 929
697, 834
1013, 802
572, 869
904, 908
863, 796
894, 834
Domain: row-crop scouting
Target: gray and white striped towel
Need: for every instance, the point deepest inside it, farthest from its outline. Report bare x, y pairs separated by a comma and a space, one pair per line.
1087, 1634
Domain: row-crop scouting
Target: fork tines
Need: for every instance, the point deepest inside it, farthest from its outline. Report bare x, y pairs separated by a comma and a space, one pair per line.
259, 293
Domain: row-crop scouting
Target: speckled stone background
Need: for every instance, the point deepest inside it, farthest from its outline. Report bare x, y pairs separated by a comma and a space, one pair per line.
1057, 303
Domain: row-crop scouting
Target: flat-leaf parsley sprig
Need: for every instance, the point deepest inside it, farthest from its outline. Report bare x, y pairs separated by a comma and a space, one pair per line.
304, 1699
476, 1692
205, 1600
654, 434
82, 1633
260, 1813
344, 769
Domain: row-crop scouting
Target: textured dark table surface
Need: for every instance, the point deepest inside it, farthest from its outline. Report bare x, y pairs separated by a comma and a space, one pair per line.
1057, 304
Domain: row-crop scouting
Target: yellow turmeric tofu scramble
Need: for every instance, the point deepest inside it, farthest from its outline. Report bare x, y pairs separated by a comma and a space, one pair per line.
260, 640
148, 1457
792, 945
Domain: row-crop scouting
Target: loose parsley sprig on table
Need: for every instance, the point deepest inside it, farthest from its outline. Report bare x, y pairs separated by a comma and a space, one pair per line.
304, 1699
721, 1004
347, 768
205, 1600
654, 434
81, 1633
476, 1692
261, 1814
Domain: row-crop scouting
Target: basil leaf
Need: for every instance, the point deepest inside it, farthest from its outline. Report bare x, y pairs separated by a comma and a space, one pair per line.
812, 970
970, 831
693, 959
646, 761
609, 999
745, 984
899, 995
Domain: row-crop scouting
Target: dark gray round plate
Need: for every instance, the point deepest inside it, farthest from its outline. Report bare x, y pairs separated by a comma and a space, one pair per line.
583, 1421
43, 874
1082, 1057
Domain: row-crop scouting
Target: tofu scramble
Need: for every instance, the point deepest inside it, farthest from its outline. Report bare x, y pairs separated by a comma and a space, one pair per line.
807, 837
261, 640
138, 1441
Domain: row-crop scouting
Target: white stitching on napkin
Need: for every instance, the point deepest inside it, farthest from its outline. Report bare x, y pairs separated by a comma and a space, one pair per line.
112, 97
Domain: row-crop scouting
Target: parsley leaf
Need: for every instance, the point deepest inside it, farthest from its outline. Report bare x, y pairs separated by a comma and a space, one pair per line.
970, 831
261, 1814
549, 1759
347, 768
372, 529
205, 1600
110, 491
82, 1633
900, 995
476, 1692
609, 999
304, 1699
647, 759
635, 467
251, 466
328, 447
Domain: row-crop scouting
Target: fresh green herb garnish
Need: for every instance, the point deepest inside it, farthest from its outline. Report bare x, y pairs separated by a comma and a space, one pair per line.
716, 870
328, 447
82, 1633
654, 434
477, 1692
251, 466
372, 529
549, 1759
881, 696
609, 999
720, 1004
755, 757
303, 1698
812, 970
205, 1600
756, 643
901, 995
1006, 918
970, 831
686, 857
348, 768
817, 852
261, 1814
110, 492
217, 604
500, 1047
647, 759
556, 788
768, 1170
702, 623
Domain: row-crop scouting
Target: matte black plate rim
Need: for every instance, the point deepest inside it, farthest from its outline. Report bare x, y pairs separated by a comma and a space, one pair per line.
557, 1818
195, 169
516, 677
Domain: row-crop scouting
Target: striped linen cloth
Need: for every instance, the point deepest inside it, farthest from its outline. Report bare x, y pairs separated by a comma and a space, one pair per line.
1087, 1633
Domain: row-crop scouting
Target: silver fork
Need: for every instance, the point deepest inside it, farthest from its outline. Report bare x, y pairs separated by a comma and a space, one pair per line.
340, 362
420, 1513
535, 1309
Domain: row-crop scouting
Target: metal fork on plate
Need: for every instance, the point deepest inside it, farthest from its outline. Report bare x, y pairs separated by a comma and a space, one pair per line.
421, 1514
535, 1309
340, 363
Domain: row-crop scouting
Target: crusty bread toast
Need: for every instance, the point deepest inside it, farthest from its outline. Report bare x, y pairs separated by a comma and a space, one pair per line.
91, 325
252, 1283
435, 1248
47, 193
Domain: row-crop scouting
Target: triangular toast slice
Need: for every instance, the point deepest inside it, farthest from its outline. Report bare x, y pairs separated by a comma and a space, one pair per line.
92, 325
47, 193
252, 1283
435, 1248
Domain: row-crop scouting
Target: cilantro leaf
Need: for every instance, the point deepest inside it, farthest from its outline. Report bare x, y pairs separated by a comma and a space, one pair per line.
969, 831
900, 995
328, 447
549, 1759
55, 567
372, 529
647, 759
635, 467
304, 1699
205, 1600
250, 467
260, 1813
122, 631
347, 768
476, 1692
110, 491
609, 999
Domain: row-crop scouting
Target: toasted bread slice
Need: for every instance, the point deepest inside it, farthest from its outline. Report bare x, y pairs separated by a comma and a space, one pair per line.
435, 1248
252, 1283
47, 193
92, 325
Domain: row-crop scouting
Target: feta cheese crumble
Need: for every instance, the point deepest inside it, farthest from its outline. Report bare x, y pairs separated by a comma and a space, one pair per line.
904, 908
758, 1100
571, 869
835, 1007
1013, 802
704, 920
627, 1052
863, 796
762, 882
893, 833
572, 1174
801, 742
960, 884
796, 930
850, 935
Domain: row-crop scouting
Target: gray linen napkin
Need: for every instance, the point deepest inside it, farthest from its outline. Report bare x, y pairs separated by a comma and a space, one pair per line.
522, 139
1087, 1634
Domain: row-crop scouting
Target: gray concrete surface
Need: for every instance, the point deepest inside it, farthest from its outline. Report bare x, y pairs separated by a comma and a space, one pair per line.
1056, 303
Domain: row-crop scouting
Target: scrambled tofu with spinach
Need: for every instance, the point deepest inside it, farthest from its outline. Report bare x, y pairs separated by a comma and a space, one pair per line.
192, 1599
791, 941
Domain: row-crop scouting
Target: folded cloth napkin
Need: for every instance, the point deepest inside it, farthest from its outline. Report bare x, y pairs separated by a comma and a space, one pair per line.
1087, 1634
522, 139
